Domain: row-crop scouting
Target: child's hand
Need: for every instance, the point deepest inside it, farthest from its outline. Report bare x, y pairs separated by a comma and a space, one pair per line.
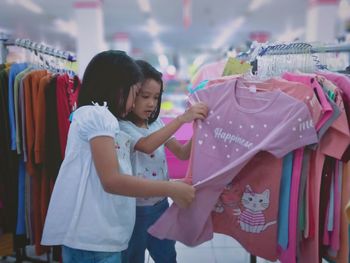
197, 111
182, 194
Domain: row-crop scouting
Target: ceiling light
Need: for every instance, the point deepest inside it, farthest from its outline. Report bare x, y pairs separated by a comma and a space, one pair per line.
69, 27
228, 32
29, 5
144, 6
344, 9
152, 27
256, 4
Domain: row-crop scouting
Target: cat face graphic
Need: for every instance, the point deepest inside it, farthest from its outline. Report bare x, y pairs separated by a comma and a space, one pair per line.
255, 201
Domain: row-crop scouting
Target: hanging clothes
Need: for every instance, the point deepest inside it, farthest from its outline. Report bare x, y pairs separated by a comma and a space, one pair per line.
8, 169
67, 95
52, 145
30, 130
329, 146
309, 215
268, 250
209, 71
256, 185
255, 127
14, 70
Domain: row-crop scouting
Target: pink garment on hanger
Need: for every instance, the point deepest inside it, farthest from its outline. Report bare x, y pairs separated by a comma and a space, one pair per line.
209, 71
240, 124
310, 81
341, 126
343, 253
289, 255
335, 235
299, 91
309, 249
265, 244
342, 81
254, 190
337, 138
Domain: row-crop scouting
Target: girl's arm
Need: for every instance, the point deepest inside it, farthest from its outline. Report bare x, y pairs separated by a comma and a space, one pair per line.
151, 142
107, 167
181, 151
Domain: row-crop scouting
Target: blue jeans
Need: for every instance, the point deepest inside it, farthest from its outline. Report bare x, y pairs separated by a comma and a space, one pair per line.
72, 255
161, 251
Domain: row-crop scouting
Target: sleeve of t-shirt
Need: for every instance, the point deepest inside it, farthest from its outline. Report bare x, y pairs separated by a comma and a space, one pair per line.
129, 128
136, 135
96, 121
294, 131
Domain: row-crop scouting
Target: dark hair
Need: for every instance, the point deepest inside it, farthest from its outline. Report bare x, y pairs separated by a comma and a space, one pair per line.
108, 78
149, 72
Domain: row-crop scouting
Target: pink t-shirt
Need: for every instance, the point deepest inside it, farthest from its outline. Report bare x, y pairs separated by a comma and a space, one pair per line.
342, 81
311, 82
337, 138
264, 244
299, 91
240, 124
248, 207
209, 71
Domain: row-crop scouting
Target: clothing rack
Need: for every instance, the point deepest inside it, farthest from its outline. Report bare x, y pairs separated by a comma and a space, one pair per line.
264, 49
301, 48
33, 46
257, 49
296, 48
39, 50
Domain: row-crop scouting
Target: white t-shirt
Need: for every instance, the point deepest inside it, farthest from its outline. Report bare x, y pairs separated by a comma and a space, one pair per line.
150, 166
81, 214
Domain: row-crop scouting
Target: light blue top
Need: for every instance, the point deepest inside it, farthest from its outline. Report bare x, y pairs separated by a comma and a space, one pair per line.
151, 166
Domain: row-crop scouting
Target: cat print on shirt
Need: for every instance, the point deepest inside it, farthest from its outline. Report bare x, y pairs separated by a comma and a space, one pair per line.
252, 218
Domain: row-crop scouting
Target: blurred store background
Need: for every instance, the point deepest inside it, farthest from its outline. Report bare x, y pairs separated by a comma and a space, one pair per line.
176, 36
